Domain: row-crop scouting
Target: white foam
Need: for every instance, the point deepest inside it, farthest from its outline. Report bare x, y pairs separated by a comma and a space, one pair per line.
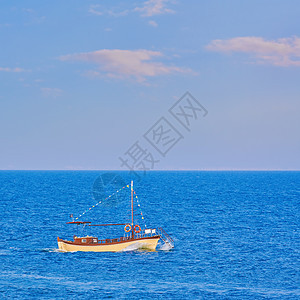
54, 250
135, 246
166, 247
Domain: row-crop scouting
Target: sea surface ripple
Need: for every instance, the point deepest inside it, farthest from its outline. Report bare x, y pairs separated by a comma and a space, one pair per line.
236, 236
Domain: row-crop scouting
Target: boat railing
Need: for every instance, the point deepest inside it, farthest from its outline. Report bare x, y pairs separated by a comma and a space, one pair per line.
165, 237
116, 240
144, 233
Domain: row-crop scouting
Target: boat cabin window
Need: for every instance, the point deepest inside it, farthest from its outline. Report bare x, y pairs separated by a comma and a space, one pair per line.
83, 240
95, 241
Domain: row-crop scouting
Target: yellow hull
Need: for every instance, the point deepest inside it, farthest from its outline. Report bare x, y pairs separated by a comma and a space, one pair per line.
149, 243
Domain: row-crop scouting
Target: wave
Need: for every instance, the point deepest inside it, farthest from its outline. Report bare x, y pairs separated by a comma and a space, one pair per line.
54, 250
166, 247
4, 252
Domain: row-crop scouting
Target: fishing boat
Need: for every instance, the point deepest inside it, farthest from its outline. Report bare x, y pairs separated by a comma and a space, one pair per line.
134, 238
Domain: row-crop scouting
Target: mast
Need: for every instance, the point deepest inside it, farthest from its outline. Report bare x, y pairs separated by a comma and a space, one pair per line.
132, 234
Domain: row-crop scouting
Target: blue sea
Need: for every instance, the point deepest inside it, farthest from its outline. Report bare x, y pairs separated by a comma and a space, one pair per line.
236, 235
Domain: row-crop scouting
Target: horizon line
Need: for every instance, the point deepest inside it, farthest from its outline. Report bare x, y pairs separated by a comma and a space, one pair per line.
161, 170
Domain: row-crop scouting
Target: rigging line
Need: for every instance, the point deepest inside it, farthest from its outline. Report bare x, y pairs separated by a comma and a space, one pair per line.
127, 186
100, 202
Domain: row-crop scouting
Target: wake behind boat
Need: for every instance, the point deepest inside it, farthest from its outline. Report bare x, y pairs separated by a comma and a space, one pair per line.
134, 238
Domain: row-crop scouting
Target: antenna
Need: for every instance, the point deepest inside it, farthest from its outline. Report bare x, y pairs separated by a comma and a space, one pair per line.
132, 234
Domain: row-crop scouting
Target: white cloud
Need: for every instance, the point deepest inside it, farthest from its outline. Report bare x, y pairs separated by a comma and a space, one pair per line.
154, 7
29, 10
148, 8
152, 23
95, 10
33, 17
118, 13
12, 70
137, 64
281, 52
51, 92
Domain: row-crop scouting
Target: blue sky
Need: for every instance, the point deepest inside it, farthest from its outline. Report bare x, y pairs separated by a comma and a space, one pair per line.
82, 81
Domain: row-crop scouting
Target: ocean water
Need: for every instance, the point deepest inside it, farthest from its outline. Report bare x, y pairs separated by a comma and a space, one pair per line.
236, 235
